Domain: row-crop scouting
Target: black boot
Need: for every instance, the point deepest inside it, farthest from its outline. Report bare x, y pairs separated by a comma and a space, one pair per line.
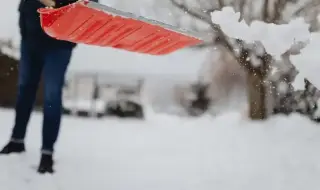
13, 147
46, 164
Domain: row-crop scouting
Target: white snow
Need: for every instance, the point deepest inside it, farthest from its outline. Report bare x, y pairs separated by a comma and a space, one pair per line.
95, 106
308, 61
169, 153
277, 39
282, 88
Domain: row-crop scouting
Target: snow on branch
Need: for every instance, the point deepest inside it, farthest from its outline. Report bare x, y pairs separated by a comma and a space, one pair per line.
268, 11
277, 39
259, 45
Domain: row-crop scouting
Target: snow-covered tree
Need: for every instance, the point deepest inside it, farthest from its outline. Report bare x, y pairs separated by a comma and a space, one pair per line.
266, 58
256, 62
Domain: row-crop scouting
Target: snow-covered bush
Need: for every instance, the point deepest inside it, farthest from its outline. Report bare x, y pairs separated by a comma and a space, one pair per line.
305, 102
193, 98
127, 102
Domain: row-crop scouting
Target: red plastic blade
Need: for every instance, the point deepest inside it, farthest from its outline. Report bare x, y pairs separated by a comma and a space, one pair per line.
95, 24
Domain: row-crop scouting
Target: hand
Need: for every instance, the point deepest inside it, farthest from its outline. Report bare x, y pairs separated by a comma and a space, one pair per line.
48, 3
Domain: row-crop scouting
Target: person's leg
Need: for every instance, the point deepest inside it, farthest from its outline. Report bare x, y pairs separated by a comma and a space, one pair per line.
55, 67
56, 63
30, 68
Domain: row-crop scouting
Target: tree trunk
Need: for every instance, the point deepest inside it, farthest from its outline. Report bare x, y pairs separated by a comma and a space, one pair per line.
256, 96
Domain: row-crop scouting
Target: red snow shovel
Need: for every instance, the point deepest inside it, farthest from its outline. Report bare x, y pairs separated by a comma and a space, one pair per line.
95, 24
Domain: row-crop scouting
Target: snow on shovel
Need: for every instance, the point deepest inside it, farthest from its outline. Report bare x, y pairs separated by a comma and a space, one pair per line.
96, 24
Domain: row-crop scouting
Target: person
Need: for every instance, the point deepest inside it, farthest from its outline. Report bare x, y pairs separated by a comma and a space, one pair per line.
41, 57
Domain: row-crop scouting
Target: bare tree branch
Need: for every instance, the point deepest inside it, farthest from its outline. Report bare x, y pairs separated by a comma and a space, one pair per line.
279, 7
242, 4
205, 17
307, 6
203, 45
221, 4
250, 7
265, 12
198, 14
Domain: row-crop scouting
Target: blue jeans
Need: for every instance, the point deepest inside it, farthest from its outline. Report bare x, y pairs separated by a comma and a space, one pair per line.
51, 64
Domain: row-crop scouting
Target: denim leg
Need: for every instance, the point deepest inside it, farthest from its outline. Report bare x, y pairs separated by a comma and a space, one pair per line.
56, 63
30, 68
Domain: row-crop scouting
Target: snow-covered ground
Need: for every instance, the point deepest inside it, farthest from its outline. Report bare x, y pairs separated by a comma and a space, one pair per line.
170, 153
